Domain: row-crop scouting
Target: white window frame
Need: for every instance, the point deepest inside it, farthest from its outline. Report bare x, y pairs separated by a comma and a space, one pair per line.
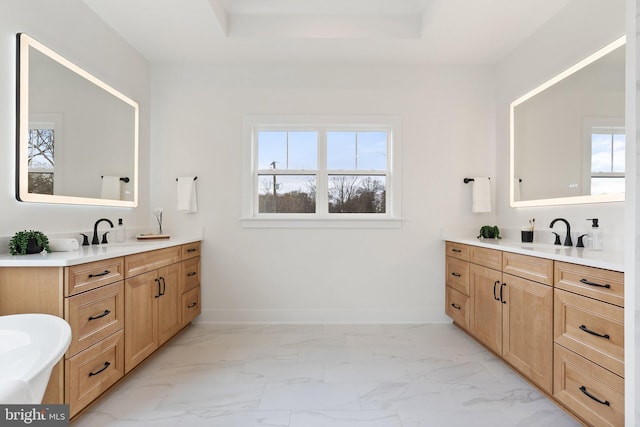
589, 124
392, 217
51, 121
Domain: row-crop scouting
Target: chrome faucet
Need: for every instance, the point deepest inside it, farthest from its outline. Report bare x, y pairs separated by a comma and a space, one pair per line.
567, 240
95, 240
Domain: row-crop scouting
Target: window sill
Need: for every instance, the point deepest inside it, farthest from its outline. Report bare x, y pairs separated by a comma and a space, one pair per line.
353, 223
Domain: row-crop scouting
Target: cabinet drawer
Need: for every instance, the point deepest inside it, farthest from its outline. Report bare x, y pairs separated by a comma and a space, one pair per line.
457, 307
578, 319
94, 315
91, 372
604, 285
152, 260
491, 258
457, 250
579, 382
528, 267
191, 305
190, 274
84, 277
457, 272
190, 250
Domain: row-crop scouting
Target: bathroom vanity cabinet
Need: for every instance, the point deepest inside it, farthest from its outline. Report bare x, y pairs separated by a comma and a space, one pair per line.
508, 312
559, 324
120, 310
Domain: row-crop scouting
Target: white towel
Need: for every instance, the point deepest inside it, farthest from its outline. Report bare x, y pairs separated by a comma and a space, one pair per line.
187, 199
63, 245
481, 194
110, 188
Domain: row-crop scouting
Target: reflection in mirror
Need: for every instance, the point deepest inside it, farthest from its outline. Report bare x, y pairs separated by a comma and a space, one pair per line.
568, 135
77, 136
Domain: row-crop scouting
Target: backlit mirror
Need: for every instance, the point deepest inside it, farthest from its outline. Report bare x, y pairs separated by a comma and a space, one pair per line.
568, 135
77, 136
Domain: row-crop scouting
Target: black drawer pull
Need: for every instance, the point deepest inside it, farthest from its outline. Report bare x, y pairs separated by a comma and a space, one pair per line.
106, 365
456, 250
501, 288
456, 274
193, 304
106, 312
104, 273
456, 306
190, 250
496, 283
191, 274
159, 289
584, 390
586, 282
587, 330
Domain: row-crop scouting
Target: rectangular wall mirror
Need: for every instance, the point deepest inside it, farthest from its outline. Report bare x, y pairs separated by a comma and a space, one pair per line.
568, 135
77, 137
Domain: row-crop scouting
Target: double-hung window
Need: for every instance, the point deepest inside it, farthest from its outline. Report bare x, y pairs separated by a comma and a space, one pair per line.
605, 155
322, 171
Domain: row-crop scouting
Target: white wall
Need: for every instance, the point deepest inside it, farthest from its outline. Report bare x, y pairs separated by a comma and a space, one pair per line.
331, 275
580, 29
73, 30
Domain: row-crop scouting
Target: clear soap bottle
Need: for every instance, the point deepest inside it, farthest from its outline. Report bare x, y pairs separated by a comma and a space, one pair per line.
595, 235
121, 232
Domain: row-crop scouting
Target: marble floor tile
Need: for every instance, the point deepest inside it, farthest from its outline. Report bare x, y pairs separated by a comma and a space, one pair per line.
323, 375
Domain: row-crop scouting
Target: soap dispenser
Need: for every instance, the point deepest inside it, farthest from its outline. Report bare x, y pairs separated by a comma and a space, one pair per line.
121, 232
594, 235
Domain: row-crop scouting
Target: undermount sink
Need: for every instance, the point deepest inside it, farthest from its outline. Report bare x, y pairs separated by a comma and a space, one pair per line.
30, 345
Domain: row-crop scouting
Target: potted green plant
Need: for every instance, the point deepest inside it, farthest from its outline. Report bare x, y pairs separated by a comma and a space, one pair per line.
28, 242
489, 232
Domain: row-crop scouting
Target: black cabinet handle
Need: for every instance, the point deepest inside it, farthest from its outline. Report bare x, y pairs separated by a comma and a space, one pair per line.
191, 274
104, 273
501, 288
496, 283
584, 390
193, 304
106, 312
106, 365
456, 306
191, 250
159, 292
456, 250
587, 330
164, 286
586, 282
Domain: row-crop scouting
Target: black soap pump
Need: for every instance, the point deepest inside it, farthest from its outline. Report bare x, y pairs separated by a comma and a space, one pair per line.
595, 235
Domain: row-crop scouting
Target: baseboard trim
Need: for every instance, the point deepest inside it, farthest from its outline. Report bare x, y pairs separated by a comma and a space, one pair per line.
361, 316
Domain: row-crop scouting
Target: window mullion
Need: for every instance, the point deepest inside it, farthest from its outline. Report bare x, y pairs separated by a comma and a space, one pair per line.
322, 186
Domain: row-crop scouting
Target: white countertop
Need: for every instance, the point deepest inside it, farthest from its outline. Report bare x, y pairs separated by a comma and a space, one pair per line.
93, 252
600, 259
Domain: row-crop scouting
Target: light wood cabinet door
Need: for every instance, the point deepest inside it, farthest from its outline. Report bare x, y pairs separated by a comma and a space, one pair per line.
485, 321
169, 302
140, 314
527, 332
